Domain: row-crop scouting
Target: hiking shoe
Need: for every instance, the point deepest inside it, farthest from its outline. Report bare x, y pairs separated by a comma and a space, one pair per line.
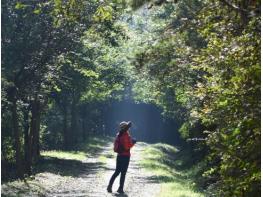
109, 189
120, 191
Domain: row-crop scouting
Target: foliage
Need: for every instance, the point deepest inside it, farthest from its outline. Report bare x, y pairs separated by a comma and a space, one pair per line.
64, 62
52, 68
168, 164
209, 59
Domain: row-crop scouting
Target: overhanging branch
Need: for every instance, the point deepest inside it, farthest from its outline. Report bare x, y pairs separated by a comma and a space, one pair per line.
234, 7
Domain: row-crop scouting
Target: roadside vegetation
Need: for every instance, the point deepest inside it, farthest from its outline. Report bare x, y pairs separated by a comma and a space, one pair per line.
63, 162
172, 170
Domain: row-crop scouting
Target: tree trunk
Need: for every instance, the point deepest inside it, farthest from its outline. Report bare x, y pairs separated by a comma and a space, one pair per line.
19, 167
84, 130
84, 125
244, 15
73, 128
26, 143
65, 127
35, 128
37, 134
30, 137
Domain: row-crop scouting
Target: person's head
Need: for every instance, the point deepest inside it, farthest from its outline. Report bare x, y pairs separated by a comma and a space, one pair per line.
124, 126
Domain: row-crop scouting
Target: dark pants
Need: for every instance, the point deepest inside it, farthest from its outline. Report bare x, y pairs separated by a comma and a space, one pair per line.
121, 167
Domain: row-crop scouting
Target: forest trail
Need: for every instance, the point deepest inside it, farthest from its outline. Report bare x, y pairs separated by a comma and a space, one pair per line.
88, 178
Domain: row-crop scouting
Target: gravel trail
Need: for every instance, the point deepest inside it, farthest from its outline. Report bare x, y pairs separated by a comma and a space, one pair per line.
90, 178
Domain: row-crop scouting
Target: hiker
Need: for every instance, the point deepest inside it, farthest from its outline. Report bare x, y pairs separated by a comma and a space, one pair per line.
122, 146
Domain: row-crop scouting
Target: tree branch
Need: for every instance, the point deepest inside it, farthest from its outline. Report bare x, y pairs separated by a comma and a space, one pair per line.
234, 7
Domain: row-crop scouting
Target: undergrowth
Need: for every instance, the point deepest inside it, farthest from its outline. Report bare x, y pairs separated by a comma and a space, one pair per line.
171, 171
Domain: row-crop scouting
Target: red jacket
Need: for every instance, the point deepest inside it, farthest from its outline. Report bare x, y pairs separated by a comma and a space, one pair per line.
126, 142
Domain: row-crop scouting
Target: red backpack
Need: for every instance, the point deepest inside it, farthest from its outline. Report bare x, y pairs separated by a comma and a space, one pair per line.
118, 148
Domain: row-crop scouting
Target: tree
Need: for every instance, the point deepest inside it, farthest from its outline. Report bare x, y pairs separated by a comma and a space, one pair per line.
208, 56
35, 34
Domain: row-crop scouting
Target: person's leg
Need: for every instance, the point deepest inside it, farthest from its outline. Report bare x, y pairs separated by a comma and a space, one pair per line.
115, 174
113, 177
124, 167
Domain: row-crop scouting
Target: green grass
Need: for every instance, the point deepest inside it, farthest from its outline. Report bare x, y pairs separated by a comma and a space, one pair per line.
59, 163
71, 155
103, 159
175, 189
81, 151
166, 163
93, 144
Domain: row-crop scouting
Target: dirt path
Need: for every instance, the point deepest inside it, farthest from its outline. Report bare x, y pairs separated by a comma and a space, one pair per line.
138, 182
90, 178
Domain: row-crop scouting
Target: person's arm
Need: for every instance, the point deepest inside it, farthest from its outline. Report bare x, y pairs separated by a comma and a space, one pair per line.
127, 142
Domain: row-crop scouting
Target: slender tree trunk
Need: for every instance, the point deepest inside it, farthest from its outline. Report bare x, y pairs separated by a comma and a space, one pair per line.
30, 137
36, 129
244, 15
73, 128
26, 143
19, 167
3, 166
65, 127
38, 135
84, 128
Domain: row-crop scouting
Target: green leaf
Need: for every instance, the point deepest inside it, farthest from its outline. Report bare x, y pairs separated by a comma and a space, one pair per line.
37, 11
20, 5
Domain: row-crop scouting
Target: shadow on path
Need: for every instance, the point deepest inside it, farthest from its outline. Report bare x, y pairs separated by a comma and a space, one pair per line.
66, 167
121, 195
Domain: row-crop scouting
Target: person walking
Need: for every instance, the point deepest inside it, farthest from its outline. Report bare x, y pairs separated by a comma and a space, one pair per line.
122, 145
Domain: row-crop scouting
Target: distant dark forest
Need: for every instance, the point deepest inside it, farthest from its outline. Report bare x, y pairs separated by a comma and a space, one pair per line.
148, 123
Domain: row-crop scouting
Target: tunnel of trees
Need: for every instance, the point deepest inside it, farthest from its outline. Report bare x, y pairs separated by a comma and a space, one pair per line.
185, 72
